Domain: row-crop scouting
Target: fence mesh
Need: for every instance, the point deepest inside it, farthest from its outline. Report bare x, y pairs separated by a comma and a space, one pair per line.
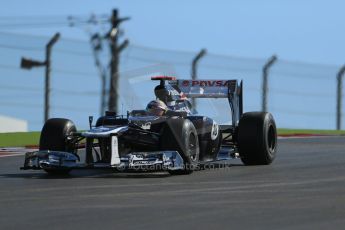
301, 95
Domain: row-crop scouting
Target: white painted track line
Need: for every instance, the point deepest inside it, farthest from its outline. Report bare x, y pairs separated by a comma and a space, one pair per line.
12, 155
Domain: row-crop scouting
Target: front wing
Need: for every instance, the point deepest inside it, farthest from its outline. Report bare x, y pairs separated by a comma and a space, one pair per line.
138, 161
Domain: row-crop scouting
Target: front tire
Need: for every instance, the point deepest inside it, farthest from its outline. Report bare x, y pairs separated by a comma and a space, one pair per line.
54, 137
257, 138
179, 134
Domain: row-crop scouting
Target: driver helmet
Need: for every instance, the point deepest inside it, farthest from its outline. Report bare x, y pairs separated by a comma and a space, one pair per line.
156, 107
167, 94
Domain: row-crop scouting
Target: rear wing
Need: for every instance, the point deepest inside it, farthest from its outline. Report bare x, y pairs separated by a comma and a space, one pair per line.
205, 88
231, 89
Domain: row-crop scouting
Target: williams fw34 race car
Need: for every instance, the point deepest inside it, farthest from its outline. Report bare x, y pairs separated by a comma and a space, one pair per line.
178, 141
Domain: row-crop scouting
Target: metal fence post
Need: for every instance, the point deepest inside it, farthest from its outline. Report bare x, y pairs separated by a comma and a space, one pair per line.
28, 64
265, 69
339, 95
194, 69
47, 79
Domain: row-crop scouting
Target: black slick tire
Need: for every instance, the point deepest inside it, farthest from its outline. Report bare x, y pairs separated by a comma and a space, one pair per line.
54, 138
179, 134
257, 138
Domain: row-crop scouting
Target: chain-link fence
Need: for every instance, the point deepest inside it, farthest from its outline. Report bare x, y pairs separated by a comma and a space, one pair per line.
300, 95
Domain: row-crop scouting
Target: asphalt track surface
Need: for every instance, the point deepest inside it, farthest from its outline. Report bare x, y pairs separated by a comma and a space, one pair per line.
303, 189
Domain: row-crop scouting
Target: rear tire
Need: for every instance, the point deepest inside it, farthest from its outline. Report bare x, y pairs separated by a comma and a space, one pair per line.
54, 138
257, 138
180, 135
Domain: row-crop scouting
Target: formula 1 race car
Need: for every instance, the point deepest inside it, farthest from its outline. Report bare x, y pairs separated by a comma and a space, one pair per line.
178, 142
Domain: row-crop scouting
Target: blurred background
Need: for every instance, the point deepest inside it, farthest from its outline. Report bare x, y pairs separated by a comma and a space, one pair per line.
296, 45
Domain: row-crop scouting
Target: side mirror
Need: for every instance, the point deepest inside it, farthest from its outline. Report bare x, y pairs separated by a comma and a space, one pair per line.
90, 121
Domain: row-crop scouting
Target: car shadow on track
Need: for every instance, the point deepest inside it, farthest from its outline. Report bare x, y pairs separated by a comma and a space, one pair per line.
83, 174
101, 173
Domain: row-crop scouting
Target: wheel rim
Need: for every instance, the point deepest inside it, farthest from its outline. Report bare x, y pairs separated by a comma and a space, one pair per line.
272, 140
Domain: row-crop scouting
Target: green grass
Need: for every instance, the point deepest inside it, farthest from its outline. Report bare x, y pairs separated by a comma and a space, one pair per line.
310, 131
19, 139
32, 138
